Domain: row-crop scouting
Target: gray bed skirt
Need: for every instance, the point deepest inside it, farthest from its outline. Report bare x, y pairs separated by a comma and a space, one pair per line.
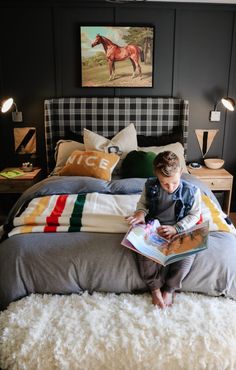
65, 264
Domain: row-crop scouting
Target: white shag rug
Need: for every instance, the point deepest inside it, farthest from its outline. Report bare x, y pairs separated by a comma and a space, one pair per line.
108, 331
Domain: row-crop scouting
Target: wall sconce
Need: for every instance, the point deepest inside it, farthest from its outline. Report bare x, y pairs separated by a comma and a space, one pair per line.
228, 103
6, 105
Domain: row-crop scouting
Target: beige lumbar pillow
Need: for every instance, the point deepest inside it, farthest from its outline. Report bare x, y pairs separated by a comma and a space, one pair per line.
90, 163
63, 150
125, 140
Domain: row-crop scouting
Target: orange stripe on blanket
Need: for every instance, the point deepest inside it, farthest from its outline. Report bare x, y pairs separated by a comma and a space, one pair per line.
26, 229
52, 220
38, 209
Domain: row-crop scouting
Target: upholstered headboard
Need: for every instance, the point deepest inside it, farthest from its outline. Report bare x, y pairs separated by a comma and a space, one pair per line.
152, 116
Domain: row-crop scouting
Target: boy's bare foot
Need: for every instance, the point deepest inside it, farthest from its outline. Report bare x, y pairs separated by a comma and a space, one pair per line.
168, 298
157, 298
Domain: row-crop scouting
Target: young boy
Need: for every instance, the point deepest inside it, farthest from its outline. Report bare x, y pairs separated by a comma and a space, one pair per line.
176, 203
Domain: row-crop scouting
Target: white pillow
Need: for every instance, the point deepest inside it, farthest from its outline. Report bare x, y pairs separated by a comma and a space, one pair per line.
63, 150
126, 140
176, 148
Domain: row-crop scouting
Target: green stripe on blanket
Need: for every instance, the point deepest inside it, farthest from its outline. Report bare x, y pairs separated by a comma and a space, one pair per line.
76, 217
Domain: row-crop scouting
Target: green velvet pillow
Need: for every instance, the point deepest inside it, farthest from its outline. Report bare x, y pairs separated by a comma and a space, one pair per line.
138, 164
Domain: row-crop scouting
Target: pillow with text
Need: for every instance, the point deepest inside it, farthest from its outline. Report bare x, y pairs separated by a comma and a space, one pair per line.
90, 163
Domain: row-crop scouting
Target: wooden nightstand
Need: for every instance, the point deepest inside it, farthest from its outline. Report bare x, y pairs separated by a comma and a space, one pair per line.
216, 180
19, 184
10, 189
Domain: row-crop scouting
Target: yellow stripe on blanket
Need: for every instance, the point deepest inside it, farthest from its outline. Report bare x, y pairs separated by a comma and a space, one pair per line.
215, 216
35, 209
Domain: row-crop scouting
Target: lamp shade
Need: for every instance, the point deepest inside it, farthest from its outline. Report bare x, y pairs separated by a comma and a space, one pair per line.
6, 105
228, 103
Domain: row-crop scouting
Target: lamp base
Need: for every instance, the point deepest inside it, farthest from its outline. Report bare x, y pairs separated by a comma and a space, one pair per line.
17, 117
214, 116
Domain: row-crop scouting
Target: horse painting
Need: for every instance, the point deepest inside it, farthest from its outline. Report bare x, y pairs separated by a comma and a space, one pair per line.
115, 53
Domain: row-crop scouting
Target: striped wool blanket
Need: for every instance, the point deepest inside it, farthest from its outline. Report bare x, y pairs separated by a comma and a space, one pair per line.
95, 212
76, 212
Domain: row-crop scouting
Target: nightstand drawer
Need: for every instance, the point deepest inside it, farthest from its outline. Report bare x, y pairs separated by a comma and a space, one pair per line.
218, 184
216, 180
11, 186
6, 186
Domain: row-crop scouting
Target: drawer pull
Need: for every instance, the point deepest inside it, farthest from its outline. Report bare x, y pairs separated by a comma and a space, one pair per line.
212, 183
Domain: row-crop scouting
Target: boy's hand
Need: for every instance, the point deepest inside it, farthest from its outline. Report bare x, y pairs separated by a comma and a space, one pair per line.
167, 231
137, 218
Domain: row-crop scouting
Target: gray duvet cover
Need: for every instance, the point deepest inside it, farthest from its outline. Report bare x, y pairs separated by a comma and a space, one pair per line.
66, 263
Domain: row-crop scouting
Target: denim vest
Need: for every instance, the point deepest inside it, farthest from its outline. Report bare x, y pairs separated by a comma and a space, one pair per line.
184, 197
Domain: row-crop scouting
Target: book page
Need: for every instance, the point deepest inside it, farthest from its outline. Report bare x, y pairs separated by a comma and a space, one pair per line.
148, 242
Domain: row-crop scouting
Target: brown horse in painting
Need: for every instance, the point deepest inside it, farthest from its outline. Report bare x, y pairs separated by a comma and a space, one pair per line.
115, 53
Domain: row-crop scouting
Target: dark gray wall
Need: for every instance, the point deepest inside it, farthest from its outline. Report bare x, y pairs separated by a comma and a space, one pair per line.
195, 58
27, 69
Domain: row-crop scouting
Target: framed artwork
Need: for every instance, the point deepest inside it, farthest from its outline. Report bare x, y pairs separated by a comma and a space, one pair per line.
117, 56
25, 140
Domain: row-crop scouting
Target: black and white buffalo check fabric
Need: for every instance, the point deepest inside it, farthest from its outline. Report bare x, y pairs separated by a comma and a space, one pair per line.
106, 116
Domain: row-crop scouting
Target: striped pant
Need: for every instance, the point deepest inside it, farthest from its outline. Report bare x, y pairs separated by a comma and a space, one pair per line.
167, 278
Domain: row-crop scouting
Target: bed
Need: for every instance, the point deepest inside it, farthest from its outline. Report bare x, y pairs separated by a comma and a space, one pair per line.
87, 254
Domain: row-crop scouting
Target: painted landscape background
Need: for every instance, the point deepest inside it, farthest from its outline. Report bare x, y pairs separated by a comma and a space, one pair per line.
95, 71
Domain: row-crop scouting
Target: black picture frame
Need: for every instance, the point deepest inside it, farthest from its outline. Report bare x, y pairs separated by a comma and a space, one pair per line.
117, 56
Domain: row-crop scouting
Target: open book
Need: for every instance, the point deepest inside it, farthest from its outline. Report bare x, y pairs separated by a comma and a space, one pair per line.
144, 239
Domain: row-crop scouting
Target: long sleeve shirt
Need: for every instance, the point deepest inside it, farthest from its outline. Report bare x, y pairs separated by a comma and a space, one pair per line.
182, 208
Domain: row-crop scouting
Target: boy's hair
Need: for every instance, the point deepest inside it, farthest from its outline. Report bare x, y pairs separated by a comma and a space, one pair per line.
167, 163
